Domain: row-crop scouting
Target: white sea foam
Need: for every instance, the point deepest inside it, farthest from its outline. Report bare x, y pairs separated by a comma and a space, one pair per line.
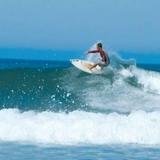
149, 79
79, 127
121, 95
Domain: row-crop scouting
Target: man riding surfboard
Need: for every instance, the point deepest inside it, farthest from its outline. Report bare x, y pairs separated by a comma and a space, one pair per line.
105, 58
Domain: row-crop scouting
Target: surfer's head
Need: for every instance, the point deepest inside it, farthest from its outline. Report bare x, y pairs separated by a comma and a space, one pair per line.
99, 45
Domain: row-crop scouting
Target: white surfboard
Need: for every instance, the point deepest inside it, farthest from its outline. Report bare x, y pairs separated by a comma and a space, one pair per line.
84, 65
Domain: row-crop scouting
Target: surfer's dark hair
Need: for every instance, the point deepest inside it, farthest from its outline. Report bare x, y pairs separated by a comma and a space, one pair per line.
99, 45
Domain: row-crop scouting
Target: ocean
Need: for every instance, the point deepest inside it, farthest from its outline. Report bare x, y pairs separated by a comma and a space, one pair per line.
51, 110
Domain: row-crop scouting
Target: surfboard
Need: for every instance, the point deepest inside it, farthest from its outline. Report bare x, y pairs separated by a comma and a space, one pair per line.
84, 66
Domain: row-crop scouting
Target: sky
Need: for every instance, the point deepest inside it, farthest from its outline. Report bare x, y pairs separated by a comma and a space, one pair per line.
122, 25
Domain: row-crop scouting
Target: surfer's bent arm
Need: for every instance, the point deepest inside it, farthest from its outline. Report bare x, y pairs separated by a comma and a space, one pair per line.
94, 51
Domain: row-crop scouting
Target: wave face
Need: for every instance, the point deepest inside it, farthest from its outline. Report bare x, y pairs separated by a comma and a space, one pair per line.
62, 105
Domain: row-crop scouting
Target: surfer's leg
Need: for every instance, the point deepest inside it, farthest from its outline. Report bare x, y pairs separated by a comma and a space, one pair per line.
95, 65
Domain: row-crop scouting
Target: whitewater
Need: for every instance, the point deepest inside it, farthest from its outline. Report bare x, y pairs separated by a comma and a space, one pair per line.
80, 128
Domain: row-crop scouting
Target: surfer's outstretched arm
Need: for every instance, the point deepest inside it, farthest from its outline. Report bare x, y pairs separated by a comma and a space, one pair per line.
94, 51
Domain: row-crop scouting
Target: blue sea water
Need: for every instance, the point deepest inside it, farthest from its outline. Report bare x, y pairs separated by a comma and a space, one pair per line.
50, 110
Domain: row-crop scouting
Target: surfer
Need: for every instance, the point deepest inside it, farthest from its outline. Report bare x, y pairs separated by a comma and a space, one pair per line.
105, 58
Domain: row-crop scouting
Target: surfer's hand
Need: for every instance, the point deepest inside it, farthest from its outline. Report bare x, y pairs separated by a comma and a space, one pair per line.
87, 52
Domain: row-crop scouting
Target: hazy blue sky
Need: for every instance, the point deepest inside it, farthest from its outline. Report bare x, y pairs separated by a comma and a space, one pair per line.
123, 25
